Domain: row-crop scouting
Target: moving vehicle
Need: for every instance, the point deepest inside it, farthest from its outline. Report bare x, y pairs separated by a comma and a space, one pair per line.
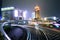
11, 32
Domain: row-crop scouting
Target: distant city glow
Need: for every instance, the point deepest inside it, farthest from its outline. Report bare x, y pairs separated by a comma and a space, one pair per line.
45, 19
7, 8
15, 13
54, 18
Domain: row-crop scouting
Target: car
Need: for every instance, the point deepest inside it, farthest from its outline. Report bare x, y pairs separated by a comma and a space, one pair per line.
20, 33
23, 22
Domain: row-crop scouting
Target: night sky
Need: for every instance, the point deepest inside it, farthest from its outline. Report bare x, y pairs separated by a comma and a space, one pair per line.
48, 7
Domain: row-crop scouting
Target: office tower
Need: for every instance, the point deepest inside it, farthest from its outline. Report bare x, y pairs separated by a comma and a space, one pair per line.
37, 12
7, 13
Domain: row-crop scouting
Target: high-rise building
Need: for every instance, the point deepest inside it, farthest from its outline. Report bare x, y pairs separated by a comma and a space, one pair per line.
37, 12
7, 13
11, 13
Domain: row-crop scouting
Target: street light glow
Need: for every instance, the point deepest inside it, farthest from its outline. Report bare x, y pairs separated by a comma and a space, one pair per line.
54, 18
45, 19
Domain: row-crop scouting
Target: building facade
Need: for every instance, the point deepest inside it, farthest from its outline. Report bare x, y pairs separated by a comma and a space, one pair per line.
7, 13
37, 12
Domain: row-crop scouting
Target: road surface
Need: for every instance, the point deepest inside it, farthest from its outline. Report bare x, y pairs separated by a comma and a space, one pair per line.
35, 34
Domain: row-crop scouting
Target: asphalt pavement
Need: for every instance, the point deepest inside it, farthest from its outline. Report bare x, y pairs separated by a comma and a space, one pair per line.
50, 34
37, 34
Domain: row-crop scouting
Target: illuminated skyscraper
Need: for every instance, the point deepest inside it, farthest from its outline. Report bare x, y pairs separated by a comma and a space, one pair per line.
7, 13
37, 12
20, 14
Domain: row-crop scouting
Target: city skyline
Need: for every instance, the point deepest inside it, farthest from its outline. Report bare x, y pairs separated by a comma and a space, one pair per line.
48, 8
